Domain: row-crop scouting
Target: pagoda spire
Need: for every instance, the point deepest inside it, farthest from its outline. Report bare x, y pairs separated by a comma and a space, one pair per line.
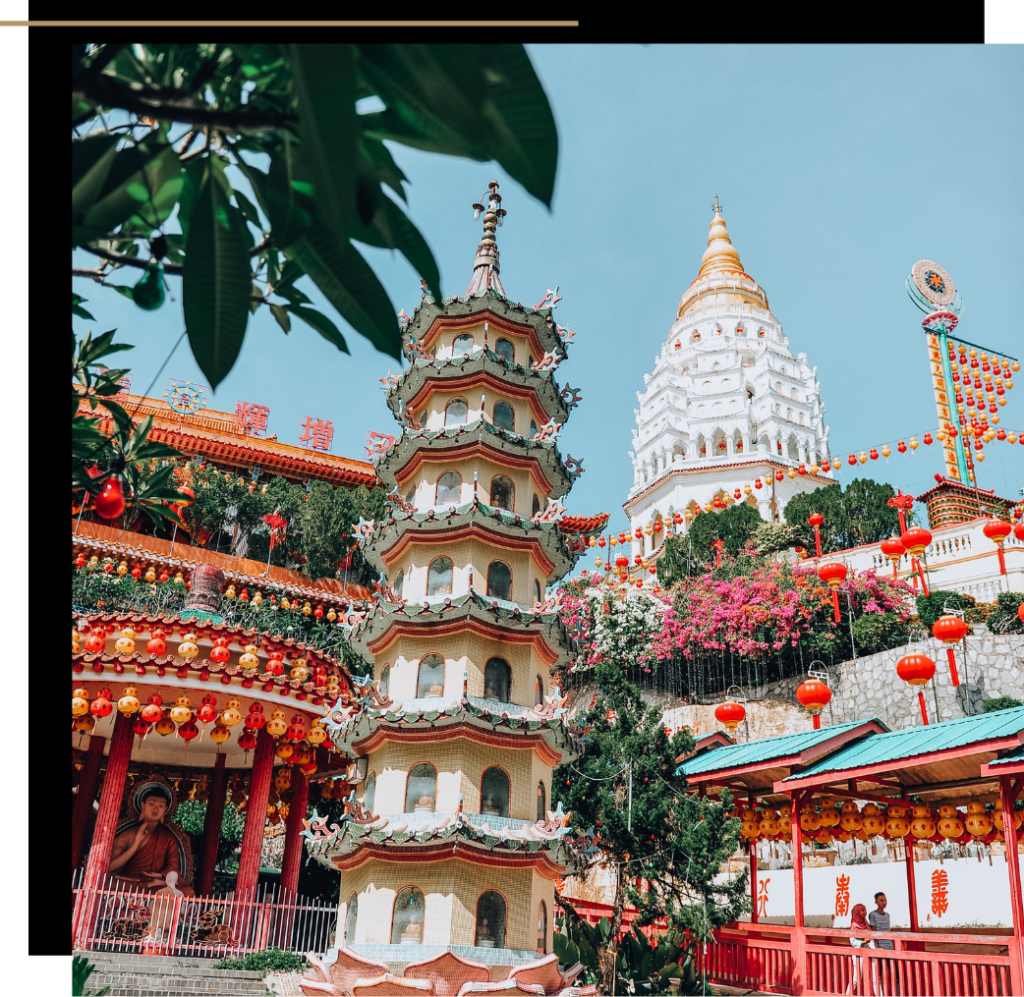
721, 254
486, 266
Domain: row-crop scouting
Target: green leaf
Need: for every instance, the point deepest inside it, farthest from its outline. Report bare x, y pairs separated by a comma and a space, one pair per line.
216, 281
323, 82
390, 228
321, 323
195, 177
349, 284
91, 159
290, 211
478, 101
280, 312
248, 209
77, 309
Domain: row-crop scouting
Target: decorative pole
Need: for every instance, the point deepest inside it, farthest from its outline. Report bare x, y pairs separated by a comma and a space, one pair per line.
816, 519
901, 503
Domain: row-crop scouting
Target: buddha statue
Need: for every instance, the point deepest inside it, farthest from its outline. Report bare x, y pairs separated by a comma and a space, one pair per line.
484, 938
413, 933
425, 802
489, 807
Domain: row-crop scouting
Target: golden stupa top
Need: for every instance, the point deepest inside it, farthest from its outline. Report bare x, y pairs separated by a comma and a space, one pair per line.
721, 254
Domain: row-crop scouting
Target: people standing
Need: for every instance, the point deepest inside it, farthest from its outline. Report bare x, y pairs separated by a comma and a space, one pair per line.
859, 922
879, 920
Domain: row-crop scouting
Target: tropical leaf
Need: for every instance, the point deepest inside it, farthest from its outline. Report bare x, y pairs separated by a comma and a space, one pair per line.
322, 324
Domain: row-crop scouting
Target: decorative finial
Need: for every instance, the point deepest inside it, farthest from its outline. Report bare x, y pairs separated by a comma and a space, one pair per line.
718, 210
485, 266
721, 254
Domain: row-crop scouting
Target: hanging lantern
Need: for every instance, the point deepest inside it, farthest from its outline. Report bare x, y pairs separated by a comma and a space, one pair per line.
255, 719
851, 819
249, 658
730, 715
188, 731
836, 463
231, 715
165, 725
833, 573
316, 734
284, 749
299, 672
156, 645
997, 531
829, 816
809, 819
896, 824
779, 475
188, 648
921, 825
181, 712
101, 706
79, 702
977, 823
917, 670
893, 549
873, 820
207, 712
219, 652
950, 630
275, 666
85, 723
276, 725
949, 825
816, 519
129, 701
110, 502
247, 741
140, 727
916, 539
153, 712
814, 695
769, 825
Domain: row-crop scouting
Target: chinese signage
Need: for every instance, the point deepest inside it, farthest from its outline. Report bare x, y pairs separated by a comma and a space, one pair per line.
251, 418
317, 433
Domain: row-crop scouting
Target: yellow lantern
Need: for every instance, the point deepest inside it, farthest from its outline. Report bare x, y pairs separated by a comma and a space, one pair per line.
949, 826
129, 701
896, 810
785, 823
188, 648
873, 824
828, 816
181, 711
229, 592
219, 734
317, 734
150, 575
897, 827
257, 598
249, 658
851, 820
791, 473
750, 829
122, 569
284, 749
125, 644
922, 826
613, 540
231, 715
179, 578
307, 609
862, 457
299, 672
277, 725
809, 820
85, 723
303, 754
79, 702
885, 450
824, 837
844, 836
912, 443
978, 823
165, 726
331, 614
769, 825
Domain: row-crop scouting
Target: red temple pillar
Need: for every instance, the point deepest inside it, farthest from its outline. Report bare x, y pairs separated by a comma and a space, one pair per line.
908, 848
86, 794
293, 833
211, 826
106, 820
256, 813
799, 941
1007, 798
753, 880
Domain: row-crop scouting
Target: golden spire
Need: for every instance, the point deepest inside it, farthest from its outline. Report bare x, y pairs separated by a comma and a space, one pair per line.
485, 266
721, 254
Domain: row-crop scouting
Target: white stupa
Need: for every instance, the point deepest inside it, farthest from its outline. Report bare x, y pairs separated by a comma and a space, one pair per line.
726, 404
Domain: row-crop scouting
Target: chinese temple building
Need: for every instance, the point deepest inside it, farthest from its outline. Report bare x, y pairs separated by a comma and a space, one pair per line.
727, 400
449, 861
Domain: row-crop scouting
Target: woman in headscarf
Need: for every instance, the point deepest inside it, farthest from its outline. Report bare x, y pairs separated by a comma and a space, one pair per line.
859, 922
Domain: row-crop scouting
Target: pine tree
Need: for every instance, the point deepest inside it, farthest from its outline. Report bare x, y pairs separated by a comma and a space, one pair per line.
664, 844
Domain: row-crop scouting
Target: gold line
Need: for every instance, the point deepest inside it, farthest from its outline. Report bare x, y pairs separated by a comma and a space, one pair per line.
289, 24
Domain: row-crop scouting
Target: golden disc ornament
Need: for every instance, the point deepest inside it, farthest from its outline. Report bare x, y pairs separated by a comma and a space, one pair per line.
934, 284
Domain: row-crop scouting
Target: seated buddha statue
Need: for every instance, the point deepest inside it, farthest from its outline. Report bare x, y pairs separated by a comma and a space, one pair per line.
425, 802
146, 855
437, 689
413, 933
484, 938
489, 807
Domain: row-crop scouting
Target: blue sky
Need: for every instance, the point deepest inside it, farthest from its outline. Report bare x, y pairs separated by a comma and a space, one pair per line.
837, 168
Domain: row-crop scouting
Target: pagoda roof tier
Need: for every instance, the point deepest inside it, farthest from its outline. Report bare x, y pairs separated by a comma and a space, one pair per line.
354, 842
430, 320
484, 721
544, 540
137, 548
479, 437
481, 368
540, 625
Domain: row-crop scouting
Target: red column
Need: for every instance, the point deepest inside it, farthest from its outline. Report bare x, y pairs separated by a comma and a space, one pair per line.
211, 827
1007, 798
799, 946
753, 880
293, 833
106, 818
86, 794
256, 813
908, 848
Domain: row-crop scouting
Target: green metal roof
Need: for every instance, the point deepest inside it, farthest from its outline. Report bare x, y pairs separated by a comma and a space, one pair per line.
1013, 758
913, 741
762, 751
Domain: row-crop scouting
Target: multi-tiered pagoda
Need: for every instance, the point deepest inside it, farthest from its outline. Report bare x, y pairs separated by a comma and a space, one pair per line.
451, 853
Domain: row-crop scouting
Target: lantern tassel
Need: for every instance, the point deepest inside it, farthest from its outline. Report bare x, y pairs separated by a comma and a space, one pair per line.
924, 712
952, 667
894, 576
817, 540
835, 604
1002, 560
919, 568
817, 720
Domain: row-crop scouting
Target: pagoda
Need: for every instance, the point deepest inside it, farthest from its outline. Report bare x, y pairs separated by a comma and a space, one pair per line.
450, 853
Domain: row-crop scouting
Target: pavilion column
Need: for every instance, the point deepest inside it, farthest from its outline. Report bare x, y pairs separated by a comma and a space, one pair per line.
799, 940
256, 813
293, 832
1007, 798
106, 820
753, 880
86, 794
908, 848
211, 826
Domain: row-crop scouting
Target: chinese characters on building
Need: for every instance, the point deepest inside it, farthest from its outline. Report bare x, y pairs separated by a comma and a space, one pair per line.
842, 896
762, 897
940, 892
377, 444
251, 418
317, 433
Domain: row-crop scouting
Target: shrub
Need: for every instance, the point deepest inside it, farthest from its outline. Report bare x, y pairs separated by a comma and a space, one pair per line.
270, 960
1000, 703
1004, 619
874, 632
930, 609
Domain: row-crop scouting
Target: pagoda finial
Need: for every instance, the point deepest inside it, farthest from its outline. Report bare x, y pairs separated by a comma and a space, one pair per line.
721, 254
485, 266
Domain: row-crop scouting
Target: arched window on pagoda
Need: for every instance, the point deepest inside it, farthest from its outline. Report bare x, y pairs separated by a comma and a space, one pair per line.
504, 416
430, 681
494, 792
455, 412
407, 917
385, 680
463, 345
503, 492
535, 506
421, 789
369, 792
497, 680
350, 918
538, 692
537, 593
490, 920
499, 580
542, 801
505, 350
439, 576
542, 929
449, 488
399, 581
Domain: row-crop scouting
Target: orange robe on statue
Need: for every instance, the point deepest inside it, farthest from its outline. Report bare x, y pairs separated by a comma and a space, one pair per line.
158, 853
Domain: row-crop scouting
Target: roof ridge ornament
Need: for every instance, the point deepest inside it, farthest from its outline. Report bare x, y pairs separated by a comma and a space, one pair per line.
486, 265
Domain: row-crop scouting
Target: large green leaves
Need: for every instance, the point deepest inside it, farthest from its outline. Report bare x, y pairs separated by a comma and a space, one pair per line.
349, 284
478, 101
217, 280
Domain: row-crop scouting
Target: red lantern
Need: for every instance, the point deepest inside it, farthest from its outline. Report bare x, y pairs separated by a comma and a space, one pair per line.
622, 562
997, 531
136, 572
893, 549
833, 574
927, 438
779, 475
852, 460
917, 669
730, 715
247, 741
80, 561
220, 652
950, 630
757, 483
873, 454
95, 644
255, 719
901, 446
915, 540
101, 706
110, 501
801, 470
816, 519
152, 712
814, 696
163, 576
140, 727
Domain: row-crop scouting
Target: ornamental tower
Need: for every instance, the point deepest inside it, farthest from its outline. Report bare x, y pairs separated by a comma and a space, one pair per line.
726, 404
451, 844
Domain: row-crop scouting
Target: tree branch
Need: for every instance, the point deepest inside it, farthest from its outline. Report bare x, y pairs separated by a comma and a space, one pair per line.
173, 269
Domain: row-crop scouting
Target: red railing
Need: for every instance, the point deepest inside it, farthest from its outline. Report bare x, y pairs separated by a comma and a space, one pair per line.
115, 919
768, 958
593, 912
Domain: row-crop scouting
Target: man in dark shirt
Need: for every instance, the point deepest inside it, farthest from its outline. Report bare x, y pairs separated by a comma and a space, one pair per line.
879, 921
